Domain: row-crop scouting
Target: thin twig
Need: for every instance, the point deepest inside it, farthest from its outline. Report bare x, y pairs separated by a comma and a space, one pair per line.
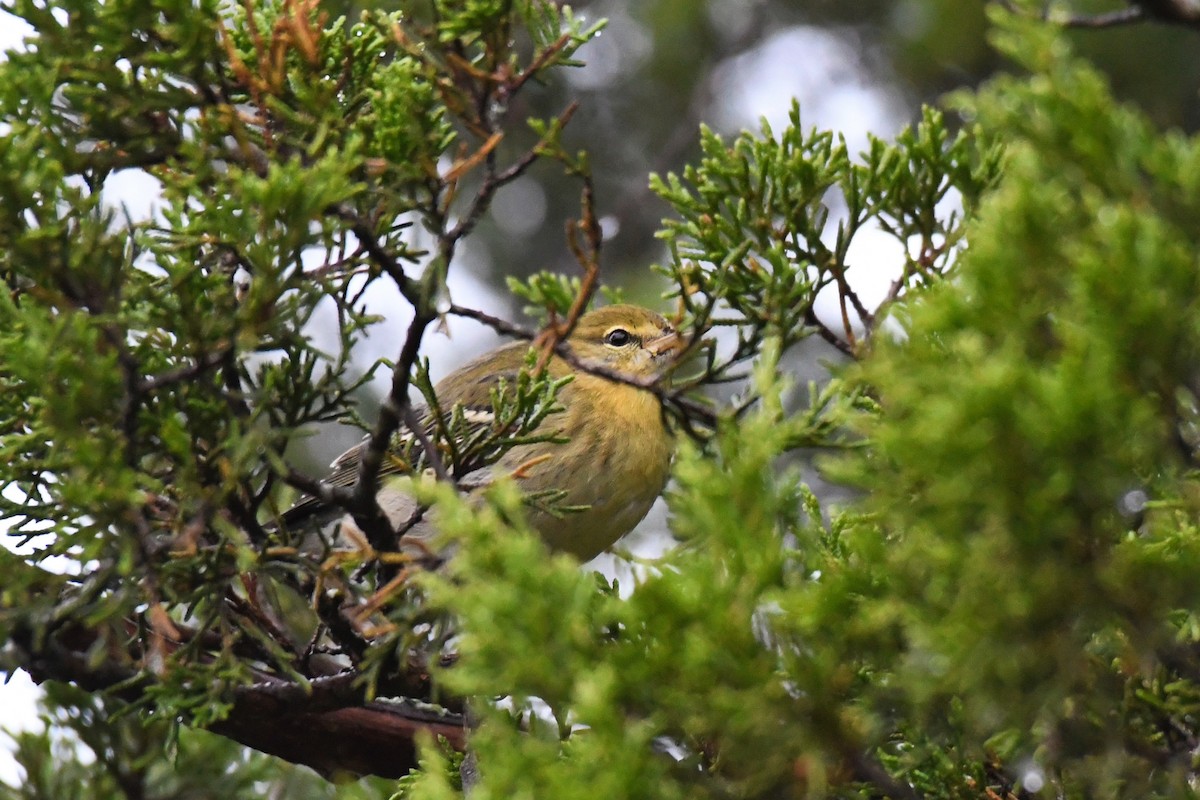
408, 287
810, 319
537, 64
187, 372
365, 510
326, 493
501, 326
1109, 19
493, 181
587, 254
687, 406
413, 423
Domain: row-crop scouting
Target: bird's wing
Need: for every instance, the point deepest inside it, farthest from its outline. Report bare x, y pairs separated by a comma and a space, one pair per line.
461, 434
470, 420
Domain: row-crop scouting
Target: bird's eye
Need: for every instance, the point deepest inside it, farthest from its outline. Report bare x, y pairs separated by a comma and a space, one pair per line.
618, 337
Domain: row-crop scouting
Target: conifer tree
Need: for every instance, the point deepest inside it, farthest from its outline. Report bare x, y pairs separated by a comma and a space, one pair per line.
999, 602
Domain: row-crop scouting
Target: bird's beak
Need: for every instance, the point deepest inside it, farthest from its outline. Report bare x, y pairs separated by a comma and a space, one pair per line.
669, 345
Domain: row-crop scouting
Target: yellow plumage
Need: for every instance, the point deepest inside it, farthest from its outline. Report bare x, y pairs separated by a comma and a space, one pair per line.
618, 456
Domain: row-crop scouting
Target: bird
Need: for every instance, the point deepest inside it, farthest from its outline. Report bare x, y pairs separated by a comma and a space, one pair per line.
606, 455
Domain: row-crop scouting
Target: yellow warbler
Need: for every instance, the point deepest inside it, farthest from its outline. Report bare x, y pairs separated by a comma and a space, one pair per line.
617, 457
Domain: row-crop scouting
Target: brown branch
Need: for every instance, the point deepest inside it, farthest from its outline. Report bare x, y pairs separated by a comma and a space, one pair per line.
499, 325
538, 63
693, 410
811, 319
391, 413
691, 407
493, 181
324, 723
468, 163
390, 265
377, 739
1112, 19
584, 238
1181, 11
327, 493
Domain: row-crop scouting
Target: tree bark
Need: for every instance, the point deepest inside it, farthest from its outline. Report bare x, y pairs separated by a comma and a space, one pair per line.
326, 725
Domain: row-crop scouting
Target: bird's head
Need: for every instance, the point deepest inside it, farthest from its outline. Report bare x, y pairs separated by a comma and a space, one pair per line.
631, 340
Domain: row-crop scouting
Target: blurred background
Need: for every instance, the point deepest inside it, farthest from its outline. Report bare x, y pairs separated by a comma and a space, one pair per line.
659, 70
663, 67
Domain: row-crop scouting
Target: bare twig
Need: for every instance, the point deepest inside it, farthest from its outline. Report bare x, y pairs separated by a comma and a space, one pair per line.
676, 398
537, 64
327, 493
493, 181
432, 454
584, 239
390, 265
365, 510
811, 319
1185, 12
501, 326
1124, 16
324, 723
184, 373
1111, 19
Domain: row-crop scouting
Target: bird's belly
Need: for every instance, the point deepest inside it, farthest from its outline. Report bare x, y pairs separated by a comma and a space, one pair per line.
587, 533
614, 489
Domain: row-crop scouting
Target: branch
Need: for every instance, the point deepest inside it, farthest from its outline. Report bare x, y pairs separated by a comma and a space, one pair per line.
391, 413
324, 723
811, 319
1184, 12
413, 422
692, 409
493, 181
499, 325
184, 373
388, 263
1178, 12
1124, 16
584, 238
688, 407
377, 739
1111, 19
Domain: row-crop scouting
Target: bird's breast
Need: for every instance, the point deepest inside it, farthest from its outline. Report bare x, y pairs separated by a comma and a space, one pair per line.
614, 470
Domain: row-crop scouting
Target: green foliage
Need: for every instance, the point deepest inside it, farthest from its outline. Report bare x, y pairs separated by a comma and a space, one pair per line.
753, 230
1005, 600
89, 751
987, 615
155, 371
546, 290
628, 669
1027, 401
408, 127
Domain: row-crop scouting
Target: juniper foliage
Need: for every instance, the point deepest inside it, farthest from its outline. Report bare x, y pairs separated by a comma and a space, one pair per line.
1004, 606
